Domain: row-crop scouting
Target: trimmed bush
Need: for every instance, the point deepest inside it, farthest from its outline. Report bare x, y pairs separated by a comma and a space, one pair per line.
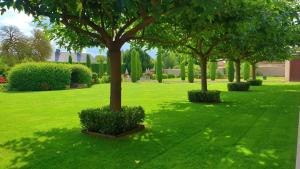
241, 86
134, 73
165, 76
171, 76
104, 121
39, 76
230, 71
80, 74
255, 82
95, 78
198, 96
105, 79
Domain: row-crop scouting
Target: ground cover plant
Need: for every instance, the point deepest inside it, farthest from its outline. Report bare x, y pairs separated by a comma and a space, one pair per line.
248, 130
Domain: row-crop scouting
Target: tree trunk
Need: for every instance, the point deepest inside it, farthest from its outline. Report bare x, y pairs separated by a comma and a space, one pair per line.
238, 70
203, 63
115, 79
253, 65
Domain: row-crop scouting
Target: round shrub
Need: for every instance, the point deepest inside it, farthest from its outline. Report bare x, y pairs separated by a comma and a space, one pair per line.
165, 76
171, 76
39, 76
104, 121
198, 96
80, 74
241, 86
255, 82
105, 79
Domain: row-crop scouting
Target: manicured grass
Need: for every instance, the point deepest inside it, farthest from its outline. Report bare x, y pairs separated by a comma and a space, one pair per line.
256, 129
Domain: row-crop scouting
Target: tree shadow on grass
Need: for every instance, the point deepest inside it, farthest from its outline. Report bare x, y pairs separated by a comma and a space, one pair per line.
180, 134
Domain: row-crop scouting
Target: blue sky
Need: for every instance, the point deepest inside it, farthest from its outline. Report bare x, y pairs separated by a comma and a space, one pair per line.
25, 24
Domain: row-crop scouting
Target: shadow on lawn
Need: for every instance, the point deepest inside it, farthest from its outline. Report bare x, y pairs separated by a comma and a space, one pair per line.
205, 133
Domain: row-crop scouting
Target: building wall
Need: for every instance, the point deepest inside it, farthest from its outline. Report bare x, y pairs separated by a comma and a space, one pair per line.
294, 74
271, 69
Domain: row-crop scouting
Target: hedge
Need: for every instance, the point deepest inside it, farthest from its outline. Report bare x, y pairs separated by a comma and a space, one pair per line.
241, 86
255, 82
104, 121
81, 74
39, 76
198, 96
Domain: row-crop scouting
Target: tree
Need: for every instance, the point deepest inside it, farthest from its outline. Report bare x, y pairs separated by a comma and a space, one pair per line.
109, 23
146, 60
213, 66
139, 67
134, 66
246, 71
100, 58
191, 70
169, 59
230, 70
182, 68
41, 46
158, 66
70, 61
15, 46
88, 61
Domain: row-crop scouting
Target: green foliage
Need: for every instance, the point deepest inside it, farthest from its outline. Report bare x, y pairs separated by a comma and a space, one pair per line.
158, 67
104, 121
70, 61
241, 86
134, 66
139, 68
81, 74
246, 71
191, 70
169, 60
153, 77
95, 78
165, 76
105, 79
198, 96
101, 69
182, 69
171, 76
146, 60
230, 70
88, 61
256, 82
213, 66
39, 76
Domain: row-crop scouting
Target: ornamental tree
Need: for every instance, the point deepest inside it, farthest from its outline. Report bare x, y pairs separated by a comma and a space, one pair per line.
107, 24
191, 70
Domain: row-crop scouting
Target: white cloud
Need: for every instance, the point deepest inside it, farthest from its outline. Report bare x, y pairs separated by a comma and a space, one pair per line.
18, 19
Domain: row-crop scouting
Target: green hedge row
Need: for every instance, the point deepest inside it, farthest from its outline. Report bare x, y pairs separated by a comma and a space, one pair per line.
47, 76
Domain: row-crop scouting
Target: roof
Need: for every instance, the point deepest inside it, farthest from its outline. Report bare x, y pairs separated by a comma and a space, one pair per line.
76, 57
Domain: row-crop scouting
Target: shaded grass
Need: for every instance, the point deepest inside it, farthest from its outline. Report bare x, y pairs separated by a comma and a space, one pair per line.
256, 129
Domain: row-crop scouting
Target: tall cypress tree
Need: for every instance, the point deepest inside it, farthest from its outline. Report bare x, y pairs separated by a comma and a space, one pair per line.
88, 61
133, 64
213, 66
159, 67
191, 70
70, 61
101, 69
139, 67
182, 68
230, 70
246, 71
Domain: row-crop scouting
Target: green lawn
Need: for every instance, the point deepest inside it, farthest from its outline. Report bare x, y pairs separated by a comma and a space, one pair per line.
249, 130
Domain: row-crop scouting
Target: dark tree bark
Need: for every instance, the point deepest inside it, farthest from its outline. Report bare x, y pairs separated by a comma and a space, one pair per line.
238, 70
115, 79
203, 63
253, 65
